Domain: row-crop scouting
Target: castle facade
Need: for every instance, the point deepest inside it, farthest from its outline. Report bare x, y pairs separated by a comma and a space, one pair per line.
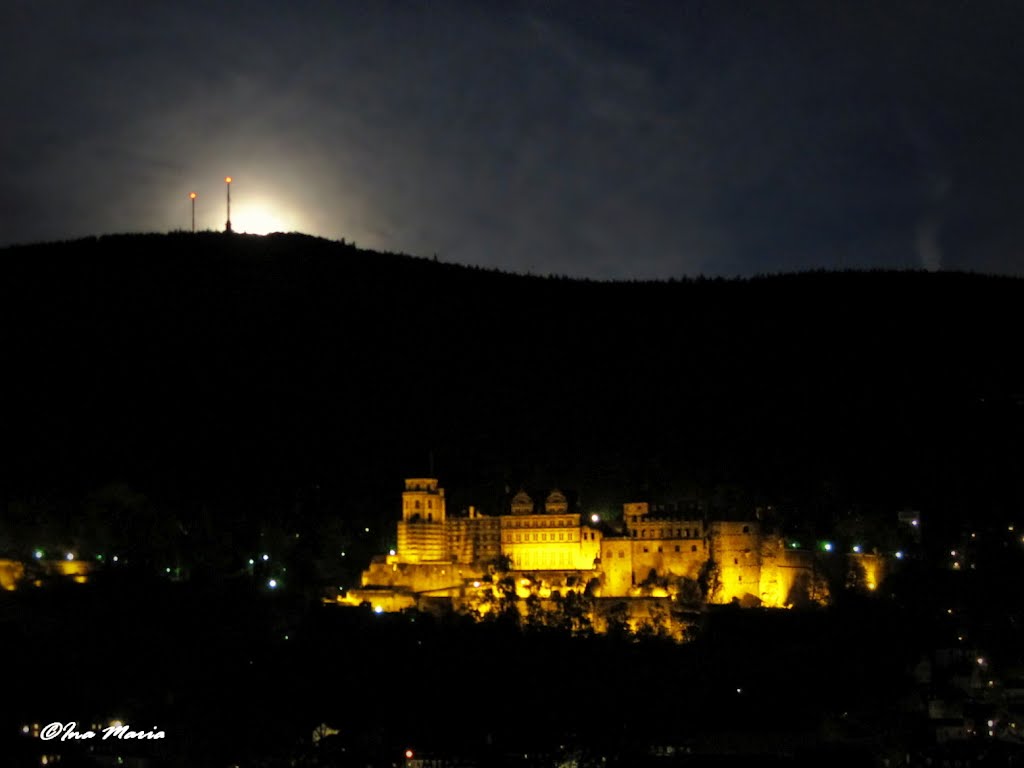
548, 546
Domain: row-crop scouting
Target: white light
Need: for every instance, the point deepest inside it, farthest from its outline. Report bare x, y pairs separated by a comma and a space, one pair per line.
265, 558
899, 555
38, 553
391, 552
366, 529
595, 518
272, 583
739, 690
24, 729
342, 554
828, 546
913, 523
856, 548
991, 723
168, 570
981, 661
69, 556
378, 609
952, 552
115, 558
251, 561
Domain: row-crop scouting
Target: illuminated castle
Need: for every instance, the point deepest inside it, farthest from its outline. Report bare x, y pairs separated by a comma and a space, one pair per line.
550, 547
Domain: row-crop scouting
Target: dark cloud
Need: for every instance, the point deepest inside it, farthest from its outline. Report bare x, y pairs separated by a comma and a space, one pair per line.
608, 140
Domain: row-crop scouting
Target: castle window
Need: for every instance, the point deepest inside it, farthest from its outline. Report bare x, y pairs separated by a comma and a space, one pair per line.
746, 529
677, 547
561, 537
609, 555
621, 553
659, 549
645, 549
430, 504
693, 548
430, 516
735, 561
417, 503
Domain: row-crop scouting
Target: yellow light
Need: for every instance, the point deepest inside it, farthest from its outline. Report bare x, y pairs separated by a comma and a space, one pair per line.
227, 179
408, 754
192, 195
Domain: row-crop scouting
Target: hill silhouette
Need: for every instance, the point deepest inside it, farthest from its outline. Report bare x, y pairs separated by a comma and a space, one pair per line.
243, 373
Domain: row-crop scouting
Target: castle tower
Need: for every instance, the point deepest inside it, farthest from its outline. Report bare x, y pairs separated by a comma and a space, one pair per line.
422, 531
423, 501
635, 512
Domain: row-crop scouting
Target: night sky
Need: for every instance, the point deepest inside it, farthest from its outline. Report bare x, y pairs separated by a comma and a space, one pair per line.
609, 140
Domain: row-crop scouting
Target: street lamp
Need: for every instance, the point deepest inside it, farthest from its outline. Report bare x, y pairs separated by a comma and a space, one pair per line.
192, 196
227, 181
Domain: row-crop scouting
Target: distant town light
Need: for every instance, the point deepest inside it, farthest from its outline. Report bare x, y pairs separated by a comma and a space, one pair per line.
114, 558
167, 570
827, 546
265, 558
367, 530
69, 556
952, 552
38, 554
272, 583
856, 548
476, 583
342, 554
378, 609
899, 554
391, 552
981, 661
1010, 528
408, 754
595, 518
914, 522
251, 561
